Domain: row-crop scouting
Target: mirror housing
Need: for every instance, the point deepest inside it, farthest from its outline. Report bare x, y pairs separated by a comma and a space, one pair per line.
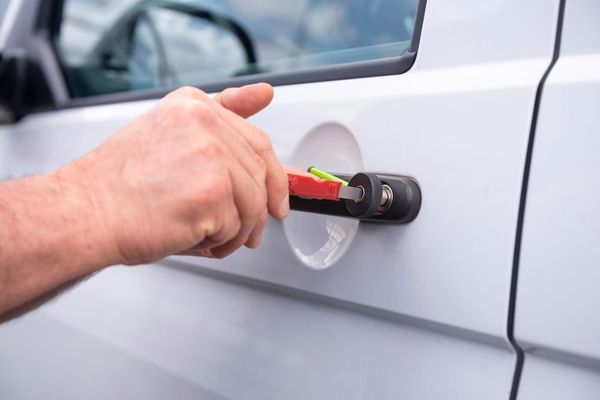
12, 80
107, 68
191, 10
23, 86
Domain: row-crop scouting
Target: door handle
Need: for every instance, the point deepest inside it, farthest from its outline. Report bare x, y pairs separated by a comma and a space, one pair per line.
386, 198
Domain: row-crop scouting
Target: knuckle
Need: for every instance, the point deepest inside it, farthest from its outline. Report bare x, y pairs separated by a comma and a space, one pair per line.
205, 114
186, 106
235, 226
219, 255
190, 92
181, 108
209, 148
204, 229
260, 205
281, 181
223, 95
217, 189
253, 242
260, 168
260, 139
250, 216
210, 194
262, 199
263, 219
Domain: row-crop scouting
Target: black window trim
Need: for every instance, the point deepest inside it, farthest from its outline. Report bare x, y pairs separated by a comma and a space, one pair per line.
48, 25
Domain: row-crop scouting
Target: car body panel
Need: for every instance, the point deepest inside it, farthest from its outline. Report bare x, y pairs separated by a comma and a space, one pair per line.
557, 320
416, 311
251, 342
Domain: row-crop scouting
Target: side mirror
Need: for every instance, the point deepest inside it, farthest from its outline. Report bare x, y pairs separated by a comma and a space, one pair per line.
198, 13
12, 86
23, 86
162, 43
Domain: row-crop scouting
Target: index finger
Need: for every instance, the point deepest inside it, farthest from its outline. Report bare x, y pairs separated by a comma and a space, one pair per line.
277, 183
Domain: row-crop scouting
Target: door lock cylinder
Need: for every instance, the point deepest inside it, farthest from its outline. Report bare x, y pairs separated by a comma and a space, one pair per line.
367, 196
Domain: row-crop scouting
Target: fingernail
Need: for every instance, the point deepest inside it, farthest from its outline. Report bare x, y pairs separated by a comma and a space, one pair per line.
285, 206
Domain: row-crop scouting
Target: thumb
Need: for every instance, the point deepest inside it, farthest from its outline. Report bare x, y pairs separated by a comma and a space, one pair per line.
290, 169
247, 100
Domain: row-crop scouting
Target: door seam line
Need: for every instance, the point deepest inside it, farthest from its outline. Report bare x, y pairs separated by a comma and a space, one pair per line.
522, 206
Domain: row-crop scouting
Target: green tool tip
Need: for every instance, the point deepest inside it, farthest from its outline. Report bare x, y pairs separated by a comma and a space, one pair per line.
325, 175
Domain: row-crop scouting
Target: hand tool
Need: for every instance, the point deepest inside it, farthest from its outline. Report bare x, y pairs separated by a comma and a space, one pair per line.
367, 196
312, 187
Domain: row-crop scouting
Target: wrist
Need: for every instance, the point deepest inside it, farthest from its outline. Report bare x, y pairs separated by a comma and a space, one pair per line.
82, 205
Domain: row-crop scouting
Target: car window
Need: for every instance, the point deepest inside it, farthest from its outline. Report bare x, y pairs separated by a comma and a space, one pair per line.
3, 7
123, 45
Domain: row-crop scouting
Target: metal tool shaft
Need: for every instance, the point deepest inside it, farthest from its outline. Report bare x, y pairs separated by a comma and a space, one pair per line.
351, 193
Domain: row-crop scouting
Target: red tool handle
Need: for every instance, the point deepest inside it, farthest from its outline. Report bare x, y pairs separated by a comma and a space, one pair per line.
310, 187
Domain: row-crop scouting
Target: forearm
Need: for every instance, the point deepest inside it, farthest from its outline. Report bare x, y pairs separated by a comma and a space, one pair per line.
48, 236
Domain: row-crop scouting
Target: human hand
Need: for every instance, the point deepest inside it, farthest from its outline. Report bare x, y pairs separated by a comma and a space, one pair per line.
190, 176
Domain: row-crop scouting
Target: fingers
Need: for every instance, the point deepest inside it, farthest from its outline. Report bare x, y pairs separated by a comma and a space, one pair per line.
226, 221
255, 237
197, 252
241, 151
241, 220
247, 100
258, 181
276, 179
256, 170
289, 169
250, 200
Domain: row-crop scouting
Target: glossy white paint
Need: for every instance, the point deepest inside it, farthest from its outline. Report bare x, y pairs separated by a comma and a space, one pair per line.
250, 343
460, 246
453, 264
549, 379
558, 298
415, 311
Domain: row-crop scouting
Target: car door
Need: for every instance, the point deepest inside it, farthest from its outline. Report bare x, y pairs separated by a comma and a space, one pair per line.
326, 307
556, 320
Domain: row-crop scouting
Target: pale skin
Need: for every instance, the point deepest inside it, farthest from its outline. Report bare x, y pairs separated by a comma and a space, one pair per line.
190, 176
